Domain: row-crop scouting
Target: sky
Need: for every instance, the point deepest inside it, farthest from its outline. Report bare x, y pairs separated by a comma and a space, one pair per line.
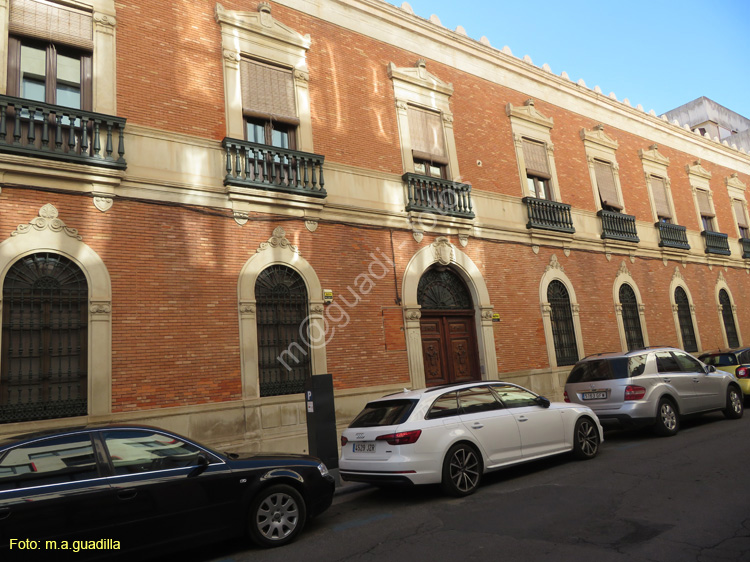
660, 54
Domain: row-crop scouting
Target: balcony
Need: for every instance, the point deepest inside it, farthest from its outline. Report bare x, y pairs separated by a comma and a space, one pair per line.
716, 243
261, 166
438, 196
618, 226
745, 243
40, 130
548, 215
672, 236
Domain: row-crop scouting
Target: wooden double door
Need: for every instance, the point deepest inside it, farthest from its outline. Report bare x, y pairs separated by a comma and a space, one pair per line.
449, 346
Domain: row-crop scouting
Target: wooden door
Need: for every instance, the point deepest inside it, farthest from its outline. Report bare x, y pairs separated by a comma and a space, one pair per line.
449, 347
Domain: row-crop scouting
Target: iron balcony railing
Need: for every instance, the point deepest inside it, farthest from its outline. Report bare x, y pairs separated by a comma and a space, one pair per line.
745, 243
672, 236
41, 130
439, 196
548, 215
618, 226
250, 164
716, 243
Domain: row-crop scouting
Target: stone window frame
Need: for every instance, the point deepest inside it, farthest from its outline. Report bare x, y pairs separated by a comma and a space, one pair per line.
418, 87
104, 70
700, 180
598, 145
259, 36
624, 277
527, 122
48, 233
656, 164
679, 281
721, 284
736, 190
555, 271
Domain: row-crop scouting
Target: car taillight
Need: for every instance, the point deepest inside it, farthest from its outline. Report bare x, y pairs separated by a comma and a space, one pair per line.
565, 396
634, 392
402, 438
742, 372
344, 440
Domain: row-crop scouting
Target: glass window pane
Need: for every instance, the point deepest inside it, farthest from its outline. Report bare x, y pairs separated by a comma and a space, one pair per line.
69, 70
33, 70
532, 186
135, 451
420, 168
687, 363
666, 363
514, 397
445, 406
280, 139
69, 96
256, 133
478, 399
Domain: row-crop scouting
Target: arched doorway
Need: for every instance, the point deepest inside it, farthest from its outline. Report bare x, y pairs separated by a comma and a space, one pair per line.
448, 326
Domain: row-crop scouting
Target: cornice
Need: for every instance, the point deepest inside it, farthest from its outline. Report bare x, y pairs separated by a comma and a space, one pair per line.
598, 136
653, 155
528, 112
419, 76
698, 170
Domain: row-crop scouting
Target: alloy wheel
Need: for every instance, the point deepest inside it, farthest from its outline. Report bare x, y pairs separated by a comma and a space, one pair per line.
464, 469
277, 516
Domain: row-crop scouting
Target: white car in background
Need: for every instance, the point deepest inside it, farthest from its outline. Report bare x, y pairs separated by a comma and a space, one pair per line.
451, 435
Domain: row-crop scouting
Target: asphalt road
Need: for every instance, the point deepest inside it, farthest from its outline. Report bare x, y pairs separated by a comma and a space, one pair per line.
682, 498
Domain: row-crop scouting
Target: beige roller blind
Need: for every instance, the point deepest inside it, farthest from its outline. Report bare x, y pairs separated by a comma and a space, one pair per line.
739, 211
605, 181
535, 155
50, 22
426, 131
704, 203
661, 197
267, 91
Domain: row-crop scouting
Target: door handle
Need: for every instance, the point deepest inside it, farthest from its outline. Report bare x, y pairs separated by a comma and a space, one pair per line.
696, 380
4, 513
522, 419
477, 425
667, 380
128, 494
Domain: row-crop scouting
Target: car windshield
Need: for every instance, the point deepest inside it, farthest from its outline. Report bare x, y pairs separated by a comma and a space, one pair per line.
600, 370
720, 359
384, 412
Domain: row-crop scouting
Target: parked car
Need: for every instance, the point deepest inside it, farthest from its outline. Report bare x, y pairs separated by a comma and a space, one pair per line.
654, 386
133, 489
453, 434
735, 361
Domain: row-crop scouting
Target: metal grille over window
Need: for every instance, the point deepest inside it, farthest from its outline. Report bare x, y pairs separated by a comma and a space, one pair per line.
44, 358
267, 91
631, 320
605, 181
686, 320
661, 199
561, 317
55, 23
443, 289
704, 203
282, 313
535, 157
727, 316
426, 131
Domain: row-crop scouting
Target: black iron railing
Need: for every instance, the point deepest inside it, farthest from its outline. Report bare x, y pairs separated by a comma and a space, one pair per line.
41, 130
249, 164
672, 236
548, 215
618, 226
745, 243
439, 196
716, 243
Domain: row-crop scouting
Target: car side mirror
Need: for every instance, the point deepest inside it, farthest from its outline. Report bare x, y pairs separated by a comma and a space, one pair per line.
542, 401
710, 369
200, 467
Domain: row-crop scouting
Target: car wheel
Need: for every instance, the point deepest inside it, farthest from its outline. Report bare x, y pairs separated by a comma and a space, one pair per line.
277, 515
667, 418
586, 439
735, 407
462, 470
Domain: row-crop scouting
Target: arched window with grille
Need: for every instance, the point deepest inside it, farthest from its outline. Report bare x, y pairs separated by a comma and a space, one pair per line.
283, 341
561, 317
727, 315
43, 370
687, 330
630, 317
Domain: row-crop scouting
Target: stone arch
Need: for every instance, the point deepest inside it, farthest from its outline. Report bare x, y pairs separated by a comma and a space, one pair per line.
721, 284
624, 277
444, 253
554, 271
679, 281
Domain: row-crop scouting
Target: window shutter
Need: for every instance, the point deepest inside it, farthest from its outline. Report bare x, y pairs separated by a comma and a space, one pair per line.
739, 211
661, 198
268, 92
605, 180
427, 139
704, 204
57, 24
14, 67
535, 155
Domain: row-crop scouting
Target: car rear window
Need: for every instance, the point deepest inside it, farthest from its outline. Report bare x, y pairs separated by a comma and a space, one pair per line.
384, 412
720, 359
599, 370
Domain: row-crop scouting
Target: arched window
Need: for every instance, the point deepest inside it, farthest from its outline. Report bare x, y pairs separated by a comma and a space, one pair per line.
44, 371
283, 340
443, 289
728, 316
563, 330
630, 317
686, 321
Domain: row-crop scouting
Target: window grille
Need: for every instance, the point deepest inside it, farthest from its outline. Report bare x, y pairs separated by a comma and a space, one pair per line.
686, 320
443, 289
727, 316
631, 319
561, 318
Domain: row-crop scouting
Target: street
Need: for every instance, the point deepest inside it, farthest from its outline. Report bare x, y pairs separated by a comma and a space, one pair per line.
682, 499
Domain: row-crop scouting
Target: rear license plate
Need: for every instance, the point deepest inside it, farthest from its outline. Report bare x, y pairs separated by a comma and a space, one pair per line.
594, 395
363, 447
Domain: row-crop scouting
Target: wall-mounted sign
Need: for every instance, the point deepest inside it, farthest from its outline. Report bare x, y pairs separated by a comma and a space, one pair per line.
327, 296
496, 317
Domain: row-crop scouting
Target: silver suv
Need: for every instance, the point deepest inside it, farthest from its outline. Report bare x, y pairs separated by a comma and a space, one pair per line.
653, 386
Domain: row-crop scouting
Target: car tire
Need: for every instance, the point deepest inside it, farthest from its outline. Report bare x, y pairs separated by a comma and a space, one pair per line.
277, 515
667, 418
585, 439
462, 470
735, 404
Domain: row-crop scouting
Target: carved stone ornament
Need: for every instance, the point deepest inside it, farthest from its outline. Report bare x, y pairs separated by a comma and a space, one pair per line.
720, 278
566, 251
278, 240
675, 307
546, 309
608, 255
100, 307
311, 225
417, 235
104, 204
665, 261
535, 249
554, 264
463, 239
624, 269
677, 273
641, 307
241, 217
487, 313
105, 20
413, 314
231, 56
316, 309
576, 308
261, 22
47, 219
247, 308
632, 258
301, 75
444, 251
618, 308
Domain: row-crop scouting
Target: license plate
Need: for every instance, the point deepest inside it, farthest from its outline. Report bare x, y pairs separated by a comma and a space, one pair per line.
594, 395
363, 447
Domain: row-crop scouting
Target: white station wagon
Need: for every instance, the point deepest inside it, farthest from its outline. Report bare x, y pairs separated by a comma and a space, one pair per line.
453, 434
